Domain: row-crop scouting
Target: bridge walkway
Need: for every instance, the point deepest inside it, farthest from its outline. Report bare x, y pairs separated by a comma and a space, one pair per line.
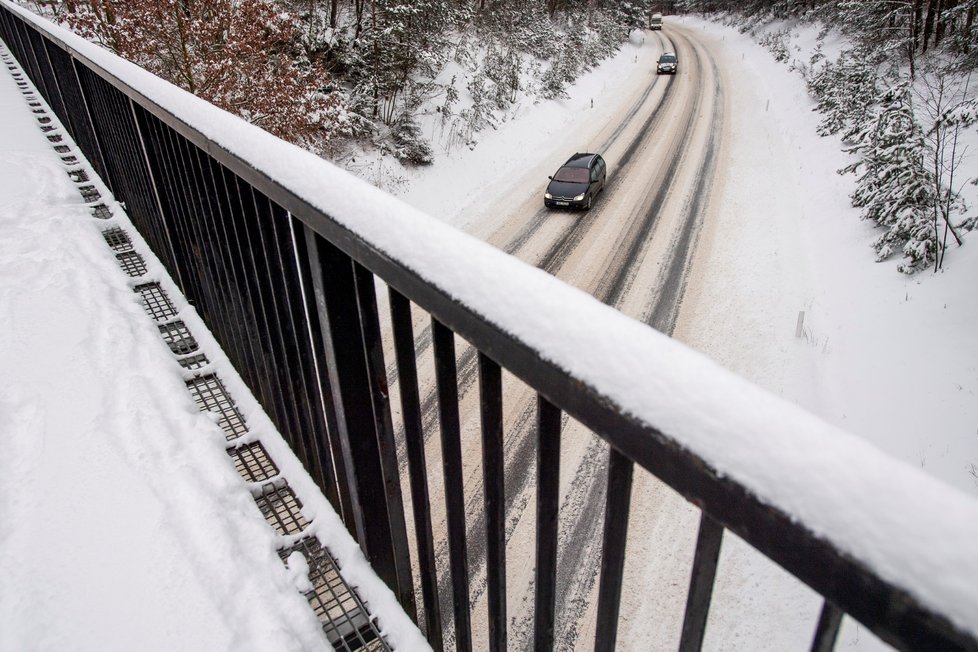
77, 365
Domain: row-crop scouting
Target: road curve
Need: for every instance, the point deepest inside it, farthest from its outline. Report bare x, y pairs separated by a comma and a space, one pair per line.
632, 251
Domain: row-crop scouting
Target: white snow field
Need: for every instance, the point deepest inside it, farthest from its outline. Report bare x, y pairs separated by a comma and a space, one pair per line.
126, 527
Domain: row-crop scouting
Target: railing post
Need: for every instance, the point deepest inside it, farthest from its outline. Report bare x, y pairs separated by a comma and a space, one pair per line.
548, 503
347, 353
619, 496
701, 582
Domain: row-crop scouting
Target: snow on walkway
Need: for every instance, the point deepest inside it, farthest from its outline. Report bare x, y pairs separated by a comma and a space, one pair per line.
125, 524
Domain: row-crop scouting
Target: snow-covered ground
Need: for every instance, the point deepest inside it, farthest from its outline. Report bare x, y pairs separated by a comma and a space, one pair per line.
785, 292
185, 561
889, 357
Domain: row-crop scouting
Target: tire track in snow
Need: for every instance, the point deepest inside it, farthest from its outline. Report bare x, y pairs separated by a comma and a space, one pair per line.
582, 539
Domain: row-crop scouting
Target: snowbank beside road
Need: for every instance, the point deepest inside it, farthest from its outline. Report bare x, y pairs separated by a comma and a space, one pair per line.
890, 357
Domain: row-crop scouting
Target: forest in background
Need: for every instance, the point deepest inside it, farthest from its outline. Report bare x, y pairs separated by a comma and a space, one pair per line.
899, 95
342, 76
327, 74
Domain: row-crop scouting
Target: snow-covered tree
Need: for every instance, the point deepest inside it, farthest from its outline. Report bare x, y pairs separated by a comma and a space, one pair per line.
238, 54
845, 90
944, 101
894, 187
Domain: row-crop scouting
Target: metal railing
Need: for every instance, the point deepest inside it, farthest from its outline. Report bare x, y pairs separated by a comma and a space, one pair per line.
284, 275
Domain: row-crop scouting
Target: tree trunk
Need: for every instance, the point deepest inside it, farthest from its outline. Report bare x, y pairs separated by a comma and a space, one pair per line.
915, 24
928, 25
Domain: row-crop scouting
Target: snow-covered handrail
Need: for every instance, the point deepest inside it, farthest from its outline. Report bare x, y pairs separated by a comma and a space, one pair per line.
878, 538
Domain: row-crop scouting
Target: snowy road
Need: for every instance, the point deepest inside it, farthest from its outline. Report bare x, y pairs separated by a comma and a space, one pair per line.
632, 251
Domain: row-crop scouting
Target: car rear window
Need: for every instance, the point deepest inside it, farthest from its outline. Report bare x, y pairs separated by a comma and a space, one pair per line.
572, 175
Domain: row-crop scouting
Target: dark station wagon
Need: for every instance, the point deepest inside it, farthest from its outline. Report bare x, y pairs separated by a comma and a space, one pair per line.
577, 182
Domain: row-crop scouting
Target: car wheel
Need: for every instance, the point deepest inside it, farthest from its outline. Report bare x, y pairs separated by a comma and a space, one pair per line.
587, 206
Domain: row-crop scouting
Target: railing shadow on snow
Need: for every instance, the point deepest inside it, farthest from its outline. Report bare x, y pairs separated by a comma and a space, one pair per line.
279, 252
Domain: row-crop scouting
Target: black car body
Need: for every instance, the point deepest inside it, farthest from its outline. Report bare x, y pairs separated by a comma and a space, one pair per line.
668, 63
577, 182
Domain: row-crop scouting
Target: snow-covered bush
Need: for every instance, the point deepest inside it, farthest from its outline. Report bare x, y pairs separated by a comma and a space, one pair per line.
407, 144
777, 42
845, 90
894, 188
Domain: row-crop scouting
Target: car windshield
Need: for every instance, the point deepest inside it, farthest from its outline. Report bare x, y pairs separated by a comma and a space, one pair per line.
667, 58
572, 175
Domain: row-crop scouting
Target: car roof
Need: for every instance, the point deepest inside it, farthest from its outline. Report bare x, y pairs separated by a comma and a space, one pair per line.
668, 54
579, 160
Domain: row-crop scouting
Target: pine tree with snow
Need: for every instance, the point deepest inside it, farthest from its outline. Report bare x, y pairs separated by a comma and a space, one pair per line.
845, 91
894, 187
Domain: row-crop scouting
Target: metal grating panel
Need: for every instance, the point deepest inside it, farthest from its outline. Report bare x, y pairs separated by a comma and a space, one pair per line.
44, 119
101, 211
62, 149
194, 362
78, 176
56, 138
117, 239
132, 263
89, 193
47, 128
211, 396
155, 301
178, 338
252, 462
69, 160
343, 616
281, 508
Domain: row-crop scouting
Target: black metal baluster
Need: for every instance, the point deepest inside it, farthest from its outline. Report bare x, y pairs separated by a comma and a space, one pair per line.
243, 221
143, 206
701, 582
328, 443
491, 402
154, 224
619, 497
443, 341
379, 393
168, 175
407, 376
233, 336
346, 358
249, 352
211, 304
299, 353
57, 99
827, 630
36, 57
260, 227
548, 495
